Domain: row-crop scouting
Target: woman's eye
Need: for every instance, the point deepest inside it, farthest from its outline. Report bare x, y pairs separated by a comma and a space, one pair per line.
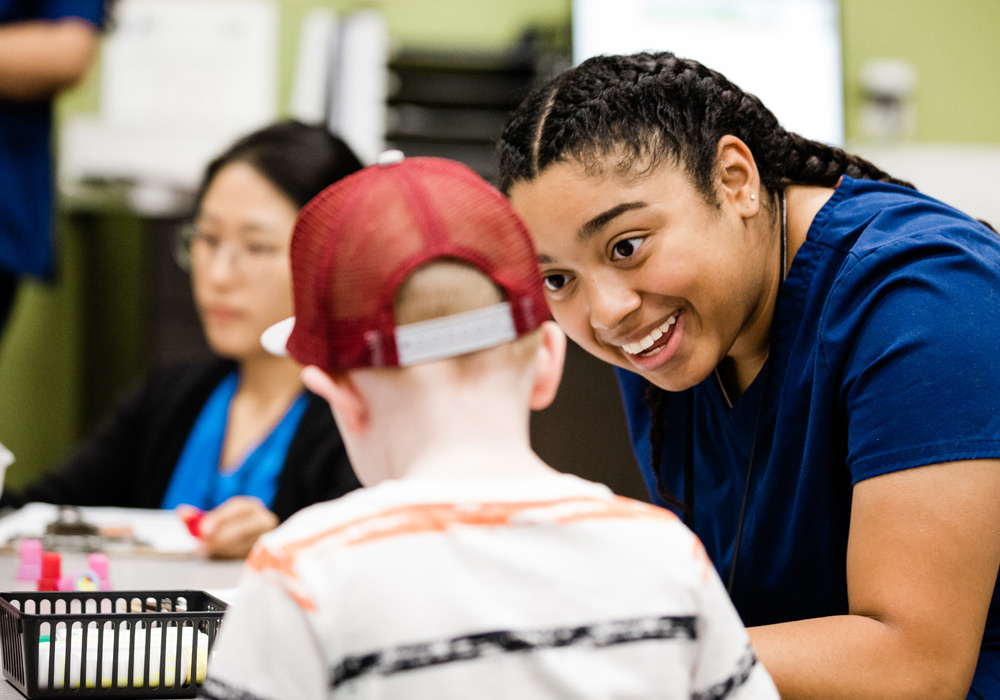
209, 240
555, 282
625, 248
263, 249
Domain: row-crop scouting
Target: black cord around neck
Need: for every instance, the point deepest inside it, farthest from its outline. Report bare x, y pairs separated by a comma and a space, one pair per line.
760, 408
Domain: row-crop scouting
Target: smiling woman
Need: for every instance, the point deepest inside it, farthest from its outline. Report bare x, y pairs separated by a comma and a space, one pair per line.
805, 348
239, 436
612, 246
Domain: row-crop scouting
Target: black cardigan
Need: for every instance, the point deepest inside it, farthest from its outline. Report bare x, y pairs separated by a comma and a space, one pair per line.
130, 459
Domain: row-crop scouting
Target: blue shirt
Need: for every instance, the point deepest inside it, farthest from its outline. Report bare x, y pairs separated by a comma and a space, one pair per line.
25, 156
199, 479
884, 358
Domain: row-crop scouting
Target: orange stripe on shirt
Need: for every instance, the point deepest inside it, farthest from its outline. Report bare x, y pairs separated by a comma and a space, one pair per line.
262, 559
440, 517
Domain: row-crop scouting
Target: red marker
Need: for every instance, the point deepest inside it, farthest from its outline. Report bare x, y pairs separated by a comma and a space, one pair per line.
51, 566
192, 518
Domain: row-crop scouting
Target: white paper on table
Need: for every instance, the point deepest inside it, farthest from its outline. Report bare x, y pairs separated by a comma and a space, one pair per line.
162, 530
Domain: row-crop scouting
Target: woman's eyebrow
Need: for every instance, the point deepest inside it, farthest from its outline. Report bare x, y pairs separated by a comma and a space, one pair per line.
604, 218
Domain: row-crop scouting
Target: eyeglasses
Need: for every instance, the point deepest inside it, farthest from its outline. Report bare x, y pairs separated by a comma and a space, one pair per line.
196, 248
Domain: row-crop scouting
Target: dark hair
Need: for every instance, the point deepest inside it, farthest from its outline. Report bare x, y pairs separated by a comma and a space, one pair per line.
298, 159
638, 111
644, 109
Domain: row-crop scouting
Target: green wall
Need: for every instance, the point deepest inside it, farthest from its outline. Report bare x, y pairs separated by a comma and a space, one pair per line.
73, 345
954, 47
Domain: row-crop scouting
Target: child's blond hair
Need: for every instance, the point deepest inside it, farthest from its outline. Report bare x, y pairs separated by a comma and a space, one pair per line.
446, 287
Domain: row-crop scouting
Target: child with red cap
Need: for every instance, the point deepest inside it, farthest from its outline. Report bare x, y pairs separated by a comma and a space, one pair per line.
467, 567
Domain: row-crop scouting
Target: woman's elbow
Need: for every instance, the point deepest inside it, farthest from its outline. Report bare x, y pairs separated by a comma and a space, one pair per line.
77, 42
948, 676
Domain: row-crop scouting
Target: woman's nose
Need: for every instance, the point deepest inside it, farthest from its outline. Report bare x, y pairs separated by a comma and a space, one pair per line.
224, 263
611, 301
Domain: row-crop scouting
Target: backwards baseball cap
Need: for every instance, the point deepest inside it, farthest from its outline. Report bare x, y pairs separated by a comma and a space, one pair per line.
359, 240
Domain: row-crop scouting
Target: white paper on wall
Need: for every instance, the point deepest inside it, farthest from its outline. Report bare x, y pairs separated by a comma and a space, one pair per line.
191, 62
314, 67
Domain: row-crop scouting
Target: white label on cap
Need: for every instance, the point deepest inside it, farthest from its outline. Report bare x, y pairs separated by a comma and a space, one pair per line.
275, 337
390, 157
454, 335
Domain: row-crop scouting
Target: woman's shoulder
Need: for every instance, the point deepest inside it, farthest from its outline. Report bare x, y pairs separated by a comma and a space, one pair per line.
865, 218
192, 368
182, 378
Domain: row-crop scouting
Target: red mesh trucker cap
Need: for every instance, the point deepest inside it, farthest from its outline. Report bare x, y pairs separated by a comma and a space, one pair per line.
358, 240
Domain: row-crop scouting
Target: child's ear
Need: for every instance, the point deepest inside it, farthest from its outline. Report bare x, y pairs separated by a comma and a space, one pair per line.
346, 402
549, 360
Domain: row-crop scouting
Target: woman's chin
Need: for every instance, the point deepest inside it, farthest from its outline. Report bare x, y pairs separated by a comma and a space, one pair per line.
236, 349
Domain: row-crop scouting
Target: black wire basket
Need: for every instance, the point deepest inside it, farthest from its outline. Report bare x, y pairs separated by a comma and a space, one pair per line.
91, 644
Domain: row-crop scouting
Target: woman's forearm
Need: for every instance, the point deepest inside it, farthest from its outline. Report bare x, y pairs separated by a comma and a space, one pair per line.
38, 59
856, 657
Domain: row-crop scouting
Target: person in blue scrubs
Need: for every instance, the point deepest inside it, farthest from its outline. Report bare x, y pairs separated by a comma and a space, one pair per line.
45, 47
806, 350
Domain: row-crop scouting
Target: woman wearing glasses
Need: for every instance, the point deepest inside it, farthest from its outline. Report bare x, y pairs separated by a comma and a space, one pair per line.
236, 436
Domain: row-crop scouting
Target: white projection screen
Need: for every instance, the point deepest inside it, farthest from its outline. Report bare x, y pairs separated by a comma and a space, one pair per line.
787, 52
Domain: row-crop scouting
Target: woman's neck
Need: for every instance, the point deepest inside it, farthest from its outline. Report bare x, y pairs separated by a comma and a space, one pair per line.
267, 380
737, 372
267, 387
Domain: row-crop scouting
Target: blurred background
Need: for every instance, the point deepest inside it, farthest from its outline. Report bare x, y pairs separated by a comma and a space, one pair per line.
912, 84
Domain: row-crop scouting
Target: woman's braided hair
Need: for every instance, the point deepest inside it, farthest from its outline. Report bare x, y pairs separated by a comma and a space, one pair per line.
642, 110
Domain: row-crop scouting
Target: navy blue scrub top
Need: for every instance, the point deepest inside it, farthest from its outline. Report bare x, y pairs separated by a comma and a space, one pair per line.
26, 174
884, 358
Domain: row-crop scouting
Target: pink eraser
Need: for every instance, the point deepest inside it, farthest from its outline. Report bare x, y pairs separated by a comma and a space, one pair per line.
30, 567
98, 563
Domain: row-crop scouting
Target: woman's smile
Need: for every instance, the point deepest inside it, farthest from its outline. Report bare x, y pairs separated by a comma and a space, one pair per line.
654, 341
643, 271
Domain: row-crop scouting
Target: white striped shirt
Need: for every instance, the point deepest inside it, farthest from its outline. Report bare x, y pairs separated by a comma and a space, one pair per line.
522, 588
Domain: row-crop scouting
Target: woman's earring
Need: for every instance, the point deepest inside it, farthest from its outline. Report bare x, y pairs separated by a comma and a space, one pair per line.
753, 197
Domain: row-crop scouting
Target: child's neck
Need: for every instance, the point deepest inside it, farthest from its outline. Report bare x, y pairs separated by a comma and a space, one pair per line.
476, 461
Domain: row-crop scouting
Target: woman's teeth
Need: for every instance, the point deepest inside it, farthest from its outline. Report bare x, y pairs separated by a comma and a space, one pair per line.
647, 342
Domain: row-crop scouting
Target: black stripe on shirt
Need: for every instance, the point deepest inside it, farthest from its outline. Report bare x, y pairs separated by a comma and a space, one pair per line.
214, 689
409, 657
729, 686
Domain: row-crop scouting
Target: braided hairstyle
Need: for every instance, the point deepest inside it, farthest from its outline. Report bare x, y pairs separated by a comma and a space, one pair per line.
636, 112
645, 109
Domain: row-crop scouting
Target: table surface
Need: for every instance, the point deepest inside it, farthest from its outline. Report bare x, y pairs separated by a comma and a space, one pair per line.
137, 573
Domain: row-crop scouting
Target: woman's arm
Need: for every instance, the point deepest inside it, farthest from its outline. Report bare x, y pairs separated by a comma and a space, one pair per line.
922, 561
40, 58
